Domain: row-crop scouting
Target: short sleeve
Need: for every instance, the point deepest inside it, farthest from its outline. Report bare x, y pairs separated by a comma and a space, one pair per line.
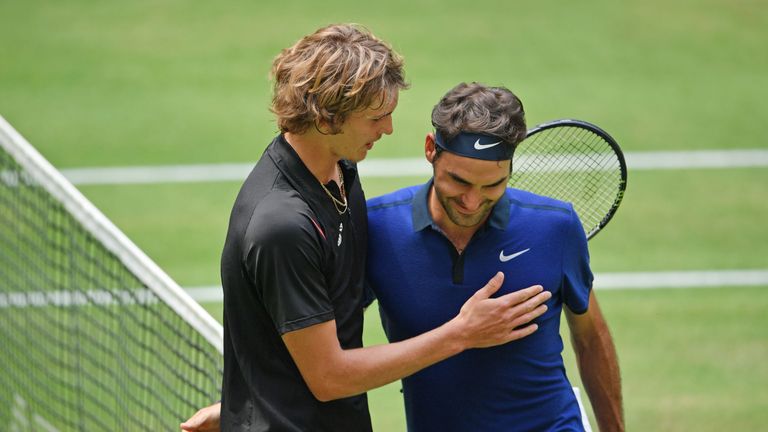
577, 275
283, 258
369, 295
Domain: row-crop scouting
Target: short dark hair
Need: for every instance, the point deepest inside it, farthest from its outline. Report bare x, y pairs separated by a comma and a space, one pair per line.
480, 109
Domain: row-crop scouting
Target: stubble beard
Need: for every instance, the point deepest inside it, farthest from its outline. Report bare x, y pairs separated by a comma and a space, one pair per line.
460, 219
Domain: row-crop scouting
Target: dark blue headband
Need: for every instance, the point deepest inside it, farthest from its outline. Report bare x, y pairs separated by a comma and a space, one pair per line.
476, 146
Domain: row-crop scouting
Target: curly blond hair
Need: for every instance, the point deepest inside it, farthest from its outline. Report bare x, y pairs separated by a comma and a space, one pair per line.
325, 76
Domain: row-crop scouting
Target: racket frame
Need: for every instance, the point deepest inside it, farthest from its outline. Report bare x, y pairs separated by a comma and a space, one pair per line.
622, 184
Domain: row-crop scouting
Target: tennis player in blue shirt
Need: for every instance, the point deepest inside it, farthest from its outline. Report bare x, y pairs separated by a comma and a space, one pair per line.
429, 246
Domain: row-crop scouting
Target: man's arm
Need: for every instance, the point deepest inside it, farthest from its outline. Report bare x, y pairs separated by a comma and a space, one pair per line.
332, 372
598, 365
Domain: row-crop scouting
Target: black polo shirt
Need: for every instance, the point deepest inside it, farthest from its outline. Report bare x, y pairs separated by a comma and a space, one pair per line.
290, 261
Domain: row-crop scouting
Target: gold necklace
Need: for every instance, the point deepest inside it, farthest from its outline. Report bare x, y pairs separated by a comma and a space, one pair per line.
340, 205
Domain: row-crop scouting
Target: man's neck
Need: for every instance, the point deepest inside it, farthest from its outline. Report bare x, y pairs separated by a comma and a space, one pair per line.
314, 150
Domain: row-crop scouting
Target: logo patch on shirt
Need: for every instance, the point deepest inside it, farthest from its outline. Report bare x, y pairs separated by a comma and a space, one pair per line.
505, 258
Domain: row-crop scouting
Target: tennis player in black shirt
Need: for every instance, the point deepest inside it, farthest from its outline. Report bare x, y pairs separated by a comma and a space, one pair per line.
293, 261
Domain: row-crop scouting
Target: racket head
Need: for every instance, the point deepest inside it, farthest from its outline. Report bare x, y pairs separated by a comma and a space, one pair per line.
574, 161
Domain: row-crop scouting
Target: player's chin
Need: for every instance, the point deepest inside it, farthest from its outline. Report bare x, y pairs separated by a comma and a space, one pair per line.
469, 220
360, 155
465, 220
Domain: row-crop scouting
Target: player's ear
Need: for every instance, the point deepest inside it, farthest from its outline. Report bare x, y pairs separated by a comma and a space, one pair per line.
323, 126
429, 147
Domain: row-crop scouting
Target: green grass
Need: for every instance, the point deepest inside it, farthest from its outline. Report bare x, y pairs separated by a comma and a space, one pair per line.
690, 220
691, 359
170, 82
143, 82
182, 227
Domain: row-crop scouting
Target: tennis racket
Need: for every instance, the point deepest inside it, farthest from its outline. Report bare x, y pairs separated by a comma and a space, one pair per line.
574, 161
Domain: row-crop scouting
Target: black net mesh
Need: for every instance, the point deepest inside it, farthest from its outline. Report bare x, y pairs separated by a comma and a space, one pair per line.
85, 345
572, 164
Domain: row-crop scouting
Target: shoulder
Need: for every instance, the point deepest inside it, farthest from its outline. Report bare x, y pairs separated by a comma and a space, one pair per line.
282, 216
546, 216
398, 198
538, 203
393, 211
542, 211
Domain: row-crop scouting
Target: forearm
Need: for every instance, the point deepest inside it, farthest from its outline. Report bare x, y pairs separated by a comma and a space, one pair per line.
598, 365
332, 373
363, 369
599, 370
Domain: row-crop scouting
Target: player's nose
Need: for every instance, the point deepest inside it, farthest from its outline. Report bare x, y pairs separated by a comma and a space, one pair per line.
471, 201
387, 126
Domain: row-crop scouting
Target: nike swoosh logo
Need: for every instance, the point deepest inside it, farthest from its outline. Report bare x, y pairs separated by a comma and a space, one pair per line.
479, 146
505, 258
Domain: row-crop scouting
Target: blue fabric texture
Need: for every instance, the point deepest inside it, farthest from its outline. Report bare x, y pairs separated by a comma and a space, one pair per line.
421, 282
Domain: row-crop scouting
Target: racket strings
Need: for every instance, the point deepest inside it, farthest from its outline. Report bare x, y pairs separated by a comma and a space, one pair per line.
571, 164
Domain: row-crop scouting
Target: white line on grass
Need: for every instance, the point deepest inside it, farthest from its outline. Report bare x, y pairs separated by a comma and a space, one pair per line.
603, 281
682, 279
42, 298
613, 281
700, 159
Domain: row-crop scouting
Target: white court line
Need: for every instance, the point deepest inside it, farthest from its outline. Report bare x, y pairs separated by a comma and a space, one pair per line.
612, 281
700, 159
681, 279
63, 298
20, 417
213, 293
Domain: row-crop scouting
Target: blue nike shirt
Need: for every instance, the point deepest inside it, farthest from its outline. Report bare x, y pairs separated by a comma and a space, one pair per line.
421, 282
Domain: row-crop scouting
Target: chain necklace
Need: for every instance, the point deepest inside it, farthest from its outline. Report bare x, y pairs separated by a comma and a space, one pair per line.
340, 205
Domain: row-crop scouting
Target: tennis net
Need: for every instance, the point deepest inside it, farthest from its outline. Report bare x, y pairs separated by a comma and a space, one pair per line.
94, 335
